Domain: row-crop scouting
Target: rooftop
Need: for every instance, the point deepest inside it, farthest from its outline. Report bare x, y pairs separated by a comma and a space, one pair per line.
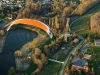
83, 49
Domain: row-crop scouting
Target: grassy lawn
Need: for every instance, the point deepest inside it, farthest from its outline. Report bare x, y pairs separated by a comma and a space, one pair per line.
30, 69
63, 55
95, 52
82, 25
52, 68
57, 50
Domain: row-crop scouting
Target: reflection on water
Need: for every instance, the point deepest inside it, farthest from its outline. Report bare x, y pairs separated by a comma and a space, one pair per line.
14, 41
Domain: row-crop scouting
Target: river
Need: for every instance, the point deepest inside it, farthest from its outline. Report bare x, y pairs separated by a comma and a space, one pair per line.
1, 23
15, 39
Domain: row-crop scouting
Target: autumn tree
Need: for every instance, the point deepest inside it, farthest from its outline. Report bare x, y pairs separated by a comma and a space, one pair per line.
56, 22
2, 14
28, 3
37, 51
46, 50
2, 33
67, 11
81, 55
65, 38
11, 71
18, 53
69, 65
74, 53
40, 59
84, 6
58, 6
95, 23
44, 58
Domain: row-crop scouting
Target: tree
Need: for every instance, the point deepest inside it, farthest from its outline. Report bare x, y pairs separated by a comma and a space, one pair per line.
93, 70
95, 23
88, 39
37, 51
74, 53
56, 22
46, 50
2, 33
2, 14
85, 6
69, 65
28, 3
36, 71
44, 59
67, 24
87, 69
18, 53
81, 55
11, 71
67, 11
40, 59
65, 38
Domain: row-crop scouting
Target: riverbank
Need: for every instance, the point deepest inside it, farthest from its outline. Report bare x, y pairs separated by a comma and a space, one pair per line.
22, 63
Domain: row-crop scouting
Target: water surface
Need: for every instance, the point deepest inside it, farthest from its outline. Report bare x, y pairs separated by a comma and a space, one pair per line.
14, 41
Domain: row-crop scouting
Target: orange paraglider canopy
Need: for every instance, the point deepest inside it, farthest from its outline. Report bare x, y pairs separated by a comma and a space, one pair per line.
32, 22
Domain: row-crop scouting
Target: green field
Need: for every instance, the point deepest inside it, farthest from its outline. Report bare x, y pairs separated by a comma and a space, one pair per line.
63, 52
30, 69
52, 68
95, 61
63, 55
82, 25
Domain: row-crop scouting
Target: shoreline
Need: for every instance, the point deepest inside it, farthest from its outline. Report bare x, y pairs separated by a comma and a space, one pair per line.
18, 61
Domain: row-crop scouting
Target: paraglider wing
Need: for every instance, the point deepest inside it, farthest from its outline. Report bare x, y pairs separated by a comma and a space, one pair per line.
32, 22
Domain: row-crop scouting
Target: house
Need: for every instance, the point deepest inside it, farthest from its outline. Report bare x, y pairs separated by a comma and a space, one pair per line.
79, 64
75, 67
83, 49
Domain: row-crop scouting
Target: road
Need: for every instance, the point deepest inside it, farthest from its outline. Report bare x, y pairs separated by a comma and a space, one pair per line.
63, 66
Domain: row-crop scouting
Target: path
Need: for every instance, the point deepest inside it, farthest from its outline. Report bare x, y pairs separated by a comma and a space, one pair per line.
63, 66
56, 61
